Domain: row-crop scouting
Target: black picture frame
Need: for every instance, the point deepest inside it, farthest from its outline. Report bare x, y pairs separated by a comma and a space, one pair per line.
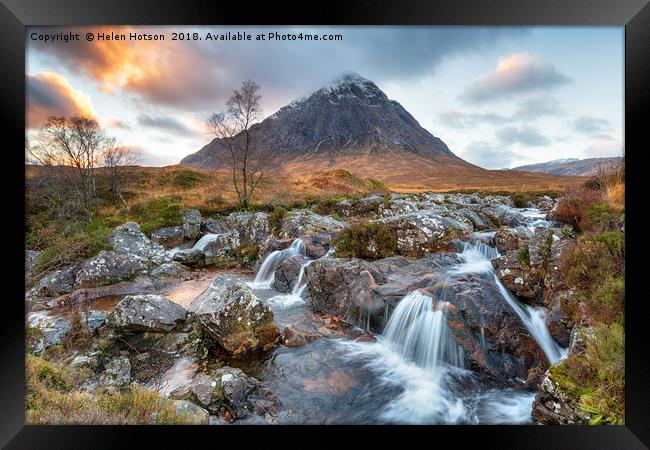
634, 15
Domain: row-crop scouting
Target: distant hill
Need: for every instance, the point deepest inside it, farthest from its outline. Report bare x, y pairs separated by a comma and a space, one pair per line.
572, 166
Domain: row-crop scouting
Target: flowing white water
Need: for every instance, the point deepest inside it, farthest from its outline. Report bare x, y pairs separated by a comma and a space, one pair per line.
266, 275
476, 259
202, 243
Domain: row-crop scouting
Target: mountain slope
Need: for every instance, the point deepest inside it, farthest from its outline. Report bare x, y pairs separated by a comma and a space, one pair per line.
572, 166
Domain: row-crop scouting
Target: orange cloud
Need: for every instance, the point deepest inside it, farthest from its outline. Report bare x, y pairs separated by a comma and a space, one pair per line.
49, 94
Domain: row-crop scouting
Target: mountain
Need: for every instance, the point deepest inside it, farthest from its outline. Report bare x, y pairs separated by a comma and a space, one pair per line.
573, 166
351, 124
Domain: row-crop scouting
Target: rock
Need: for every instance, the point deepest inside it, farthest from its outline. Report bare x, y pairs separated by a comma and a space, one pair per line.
128, 238
350, 207
507, 239
286, 275
55, 283
229, 389
93, 319
222, 245
146, 313
557, 321
191, 223
87, 360
194, 414
271, 245
117, 373
234, 316
141, 285
293, 338
518, 276
168, 237
31, 257
499, 214
317, 245
214, 226
108, 267
303, 222
51, 329
553, 406
418, 232
173, 269
397, 207
252, 228
190, 257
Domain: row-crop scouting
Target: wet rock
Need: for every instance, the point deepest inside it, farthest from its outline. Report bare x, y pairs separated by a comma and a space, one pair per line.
117, 373
507, 239
146, 313
191, 223
286, 275
141, 285
294, 338
318, 244
50, 329
108, 267
418, 232
93, 319
303, 222
489, 330
190, 257
128, 239
232, 314
223, 245
194, 414
557, 321
501, 214
173, 269
270, 246
168, 237
54, 284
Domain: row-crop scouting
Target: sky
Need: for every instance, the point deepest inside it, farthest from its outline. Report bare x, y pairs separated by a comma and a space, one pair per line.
498, 97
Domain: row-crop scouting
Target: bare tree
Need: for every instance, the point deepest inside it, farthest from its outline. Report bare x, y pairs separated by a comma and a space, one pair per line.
249, 163
73, 148
115, 159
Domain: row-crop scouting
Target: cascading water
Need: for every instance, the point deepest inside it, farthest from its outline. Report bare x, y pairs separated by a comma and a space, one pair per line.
206, 239
266, 275
476, 258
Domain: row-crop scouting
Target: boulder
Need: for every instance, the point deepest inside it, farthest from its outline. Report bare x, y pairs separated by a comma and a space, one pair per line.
286, 275
168, 237
397, 207
419, 232
128, 239
108, 267
117, 373
221, 245
190, 257
50, 329
191, 223
317, 245
500, 214
270, 246
55, 283
303, 222
507, 239
93, 319
516, 274
554, 405
234, 317
172, 269
146, 313
214, 226
251, 228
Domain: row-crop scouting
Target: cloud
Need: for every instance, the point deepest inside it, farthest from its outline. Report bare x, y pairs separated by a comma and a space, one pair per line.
200, 75
49, 94
166, 123
603, 147
149, 158
537, 107
514, 74
525, 135
114, 122
488, 156
457, 119
593, 126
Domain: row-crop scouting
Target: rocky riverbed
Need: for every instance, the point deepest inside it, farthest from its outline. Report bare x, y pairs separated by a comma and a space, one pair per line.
458, 323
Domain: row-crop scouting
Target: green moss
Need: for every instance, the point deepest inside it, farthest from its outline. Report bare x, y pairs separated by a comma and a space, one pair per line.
367, 240
275, 219
247, 254
523, 256
158, 213
187, 178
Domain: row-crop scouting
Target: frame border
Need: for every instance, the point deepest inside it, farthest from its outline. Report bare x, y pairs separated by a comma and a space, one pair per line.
634, 15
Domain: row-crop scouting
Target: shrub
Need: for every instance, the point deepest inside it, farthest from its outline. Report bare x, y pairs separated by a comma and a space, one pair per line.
275, 219
602, 216
593, 259
574, 206
521, 200
367, 240
187, 179
523, 256
157, 213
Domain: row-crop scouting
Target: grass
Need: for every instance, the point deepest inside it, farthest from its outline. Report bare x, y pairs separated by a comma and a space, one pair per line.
366, 240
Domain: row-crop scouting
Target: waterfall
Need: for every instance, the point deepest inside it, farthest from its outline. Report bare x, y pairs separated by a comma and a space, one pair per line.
266, 275
476, 259
418, 330
202, 243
